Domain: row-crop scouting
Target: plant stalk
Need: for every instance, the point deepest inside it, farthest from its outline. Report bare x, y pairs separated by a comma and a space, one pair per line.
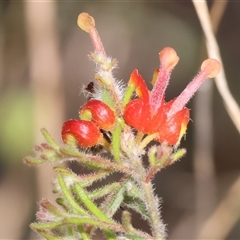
151, 201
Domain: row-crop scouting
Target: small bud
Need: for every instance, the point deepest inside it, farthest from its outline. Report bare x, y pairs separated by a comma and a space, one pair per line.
99, 113
80, 132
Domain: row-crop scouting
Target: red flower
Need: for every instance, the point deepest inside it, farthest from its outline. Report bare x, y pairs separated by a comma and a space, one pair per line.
99, 113
149, 113
80, 132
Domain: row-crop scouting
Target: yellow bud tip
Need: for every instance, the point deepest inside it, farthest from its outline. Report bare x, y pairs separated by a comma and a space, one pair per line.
212, 67
85, 21
168, 58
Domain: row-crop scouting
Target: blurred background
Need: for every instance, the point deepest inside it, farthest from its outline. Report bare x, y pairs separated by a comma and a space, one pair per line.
43, 65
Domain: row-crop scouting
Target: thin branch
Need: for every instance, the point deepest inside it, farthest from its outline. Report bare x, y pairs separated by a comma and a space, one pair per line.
204, 169
213, 52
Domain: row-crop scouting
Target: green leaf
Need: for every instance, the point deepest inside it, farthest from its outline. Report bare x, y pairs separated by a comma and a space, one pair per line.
133, 199
47, 235
77, 221
84, 180
89, 204
114, 200
49, 139
103, 191
179, 154
93, 162
134, 237
137, 205
44, 154
51, 208
83, 233
69, 197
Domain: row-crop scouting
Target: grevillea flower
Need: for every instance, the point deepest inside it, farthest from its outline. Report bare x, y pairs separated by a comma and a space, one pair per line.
149, 113
80, 132
99, 113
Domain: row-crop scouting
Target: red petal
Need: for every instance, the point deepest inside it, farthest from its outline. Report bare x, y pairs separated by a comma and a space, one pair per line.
137, 115
137, 81
174, 128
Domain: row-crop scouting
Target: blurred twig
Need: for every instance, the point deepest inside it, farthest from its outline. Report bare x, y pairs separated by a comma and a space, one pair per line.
219, 224
213, 52
204, 169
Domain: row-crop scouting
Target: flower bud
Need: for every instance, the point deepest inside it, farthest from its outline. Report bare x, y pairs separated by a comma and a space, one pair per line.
99, 113
80, 132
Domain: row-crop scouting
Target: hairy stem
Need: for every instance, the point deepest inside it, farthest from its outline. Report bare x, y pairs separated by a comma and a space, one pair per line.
151, 201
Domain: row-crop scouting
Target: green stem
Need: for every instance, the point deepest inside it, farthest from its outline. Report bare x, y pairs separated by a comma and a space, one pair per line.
83, 233
151, 201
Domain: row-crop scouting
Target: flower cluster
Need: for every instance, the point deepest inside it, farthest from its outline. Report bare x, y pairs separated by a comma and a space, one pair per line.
148, 113
124, 120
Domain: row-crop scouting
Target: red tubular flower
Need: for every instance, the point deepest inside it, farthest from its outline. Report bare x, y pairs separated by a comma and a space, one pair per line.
150, 114
80, 132
99, 113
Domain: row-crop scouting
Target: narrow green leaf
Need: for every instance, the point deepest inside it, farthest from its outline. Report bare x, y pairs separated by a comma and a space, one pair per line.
133, 199
84, 180
94, 162
152, 156
68, 195
50, 207
103, 191
137, 205
78, 221
134, 237
90, 205
126, 221
179, 154
49, 139
47, 235
31, 161
114, 200
83, 233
